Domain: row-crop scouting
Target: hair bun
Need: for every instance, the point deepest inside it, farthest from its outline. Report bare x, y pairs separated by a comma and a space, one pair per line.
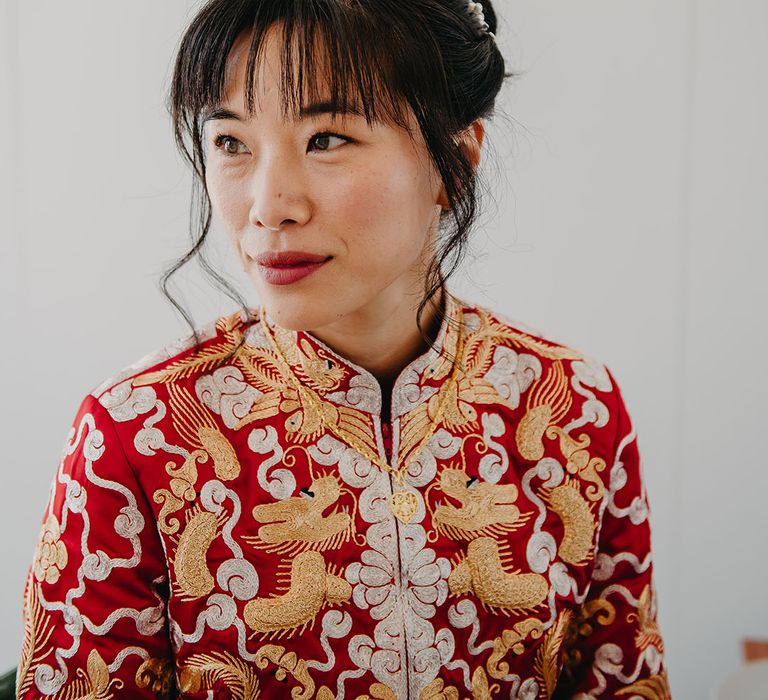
474, 11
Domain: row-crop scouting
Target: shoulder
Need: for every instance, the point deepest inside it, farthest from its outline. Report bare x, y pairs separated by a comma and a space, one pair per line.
176, 367
547, 374
545, 348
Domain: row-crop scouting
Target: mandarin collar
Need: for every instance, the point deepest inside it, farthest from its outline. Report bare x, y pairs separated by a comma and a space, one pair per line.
337, 379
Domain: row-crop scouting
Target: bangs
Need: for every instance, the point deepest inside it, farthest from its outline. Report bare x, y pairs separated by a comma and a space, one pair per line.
336, 51
419, 66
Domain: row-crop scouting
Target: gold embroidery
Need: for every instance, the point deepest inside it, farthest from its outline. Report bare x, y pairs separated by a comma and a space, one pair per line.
404, 505
473, 388
98, 675
460, 415
295, 525
365, 443
480, 344
547, 663
182, 486
157, 675
311, 588
653, 688
579, 461
298, 521
579, 524
437, 690
225, 462
486, 509
505, 335
204, 671
51, 555
530, 431
512, 639
37, 631
91, 684
444, 406
480, 348
482, 573
262, 372
194, 423
598, 611
310, 364
548, 402
480, 688
308, 415
257, 365
304, 421
230, 326
648, 629
287, 663
378, 691
193, 579
449, 407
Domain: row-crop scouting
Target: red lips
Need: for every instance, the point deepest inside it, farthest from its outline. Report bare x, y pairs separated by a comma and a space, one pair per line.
288, 266
288, 258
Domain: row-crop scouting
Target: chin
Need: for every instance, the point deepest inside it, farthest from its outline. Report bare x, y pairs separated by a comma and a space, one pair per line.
300, 312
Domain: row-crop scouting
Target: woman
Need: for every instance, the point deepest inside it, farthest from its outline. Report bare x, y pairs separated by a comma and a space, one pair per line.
366, 487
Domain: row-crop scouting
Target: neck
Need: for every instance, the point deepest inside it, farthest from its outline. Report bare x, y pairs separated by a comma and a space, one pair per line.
384, 339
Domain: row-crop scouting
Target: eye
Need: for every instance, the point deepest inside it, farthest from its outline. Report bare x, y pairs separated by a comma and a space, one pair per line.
323, 137
229, 145
225, 141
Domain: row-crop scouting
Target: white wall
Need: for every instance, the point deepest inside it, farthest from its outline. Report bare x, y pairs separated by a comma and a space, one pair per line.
630, 220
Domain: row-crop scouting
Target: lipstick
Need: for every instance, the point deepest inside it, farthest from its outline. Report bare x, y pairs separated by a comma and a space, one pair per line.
286, 267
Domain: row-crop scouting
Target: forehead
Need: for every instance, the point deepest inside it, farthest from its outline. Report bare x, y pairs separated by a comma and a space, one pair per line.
270, 75
268, 61
299, 76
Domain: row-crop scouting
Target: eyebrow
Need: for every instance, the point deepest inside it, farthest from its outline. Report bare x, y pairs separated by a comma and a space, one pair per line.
310, 110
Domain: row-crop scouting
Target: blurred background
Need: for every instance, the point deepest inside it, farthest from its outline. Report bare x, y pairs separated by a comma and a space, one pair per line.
627, 215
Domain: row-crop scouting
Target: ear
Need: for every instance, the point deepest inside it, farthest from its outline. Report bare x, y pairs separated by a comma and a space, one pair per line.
470, 141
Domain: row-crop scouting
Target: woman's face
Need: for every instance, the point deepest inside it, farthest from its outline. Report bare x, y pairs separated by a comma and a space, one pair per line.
364, 199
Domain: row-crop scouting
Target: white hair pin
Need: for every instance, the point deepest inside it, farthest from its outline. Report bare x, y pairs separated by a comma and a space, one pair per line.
476, 17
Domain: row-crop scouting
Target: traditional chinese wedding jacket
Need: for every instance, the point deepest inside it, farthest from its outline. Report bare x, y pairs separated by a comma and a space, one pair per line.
222, 525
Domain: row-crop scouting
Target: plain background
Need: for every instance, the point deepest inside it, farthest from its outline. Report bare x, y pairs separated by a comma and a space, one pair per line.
629, 217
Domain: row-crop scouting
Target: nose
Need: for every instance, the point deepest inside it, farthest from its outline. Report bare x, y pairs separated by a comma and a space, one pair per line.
279, 195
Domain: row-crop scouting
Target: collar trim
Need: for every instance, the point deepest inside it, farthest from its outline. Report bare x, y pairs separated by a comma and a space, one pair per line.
340, 381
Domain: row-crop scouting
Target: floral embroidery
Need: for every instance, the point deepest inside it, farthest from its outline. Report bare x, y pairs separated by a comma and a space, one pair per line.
228, 530
51, 556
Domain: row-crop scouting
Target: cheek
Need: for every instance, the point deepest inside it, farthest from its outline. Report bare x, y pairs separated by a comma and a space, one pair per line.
386, 214
227, 201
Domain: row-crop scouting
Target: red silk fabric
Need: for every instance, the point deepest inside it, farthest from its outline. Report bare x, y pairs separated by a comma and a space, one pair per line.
217, 527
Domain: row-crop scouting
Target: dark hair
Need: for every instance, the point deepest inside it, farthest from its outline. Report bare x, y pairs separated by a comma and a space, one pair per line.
421, 53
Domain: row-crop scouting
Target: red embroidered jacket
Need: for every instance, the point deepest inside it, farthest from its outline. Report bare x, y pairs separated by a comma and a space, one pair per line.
220, 526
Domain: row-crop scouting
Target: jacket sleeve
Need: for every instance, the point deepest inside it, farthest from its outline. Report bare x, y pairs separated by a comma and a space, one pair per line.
613, 647
95, 596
